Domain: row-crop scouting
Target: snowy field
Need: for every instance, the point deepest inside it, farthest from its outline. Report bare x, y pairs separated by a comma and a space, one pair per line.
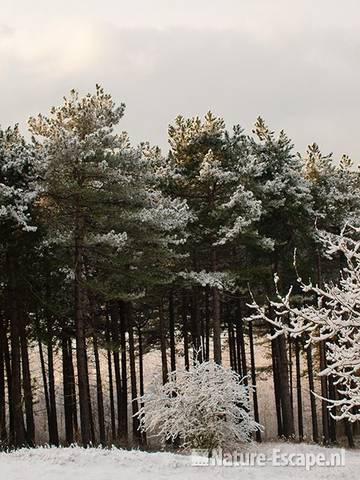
95, 464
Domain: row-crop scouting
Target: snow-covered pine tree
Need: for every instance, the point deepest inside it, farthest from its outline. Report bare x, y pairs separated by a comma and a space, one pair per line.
101, 202
210, 171
18, 192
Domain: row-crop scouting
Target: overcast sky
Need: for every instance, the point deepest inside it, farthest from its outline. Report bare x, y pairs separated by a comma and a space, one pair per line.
295, 62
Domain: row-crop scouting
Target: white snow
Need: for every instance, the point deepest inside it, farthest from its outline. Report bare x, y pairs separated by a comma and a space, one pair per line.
96, 464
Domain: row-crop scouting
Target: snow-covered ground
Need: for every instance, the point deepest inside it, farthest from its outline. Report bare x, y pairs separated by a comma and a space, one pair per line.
95, 464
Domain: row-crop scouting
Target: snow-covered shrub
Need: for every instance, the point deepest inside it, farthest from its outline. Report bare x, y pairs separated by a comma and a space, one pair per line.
204, 407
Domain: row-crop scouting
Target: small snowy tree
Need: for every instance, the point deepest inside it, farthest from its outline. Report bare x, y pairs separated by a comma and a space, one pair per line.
334, 319
204, 407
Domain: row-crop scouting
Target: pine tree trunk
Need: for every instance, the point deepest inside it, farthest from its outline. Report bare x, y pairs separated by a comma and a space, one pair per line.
3, 339
68, 414
111, 386
287, 416
275, 369
240, 336
298, 390
172, 332
184, 315
162, 333
325, 395
19, 439
27, 388
141, 376
46, 390
83, 380
9, 388
73, 389
124, 394
207, 324
314, 421
216, 315
253, 380
53, 426
99, 393
134, 393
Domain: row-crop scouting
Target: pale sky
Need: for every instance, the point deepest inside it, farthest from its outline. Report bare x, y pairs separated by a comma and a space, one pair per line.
295, 62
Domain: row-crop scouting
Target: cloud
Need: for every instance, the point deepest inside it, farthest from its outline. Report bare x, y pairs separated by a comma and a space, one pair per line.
301, 75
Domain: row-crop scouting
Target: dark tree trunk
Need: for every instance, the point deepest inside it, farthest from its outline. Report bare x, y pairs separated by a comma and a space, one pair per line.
291, 386
314, 421
207, 324
332, 396
53, 426
162, 332
3, 339
253, 380
9, 392
240, 336
298, 391
287, 416
324, 394
19, 438
141, 376
195, 325
46, 389
111, 386
172, 332
216, 314
231, 340
124, 395
275, 369
99, 393
134, 394
73, 389
27, 388
184, 315
83, 380
66, 373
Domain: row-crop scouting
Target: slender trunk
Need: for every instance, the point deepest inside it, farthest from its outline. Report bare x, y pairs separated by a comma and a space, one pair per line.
332, 396
73, 388
172, 332
3, 339
111, 386
298, 391
9, 389
28, 397
207, 324
164, 365
53, 426
253, 380
45, 386
141, 376
216, 313
124, 394
291, 386
99, 393
134, 394
81, 360
275, 369
288, 419
324, 395
68, 414
240, 334
185, 330
231, 341
19, 438
314, 421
